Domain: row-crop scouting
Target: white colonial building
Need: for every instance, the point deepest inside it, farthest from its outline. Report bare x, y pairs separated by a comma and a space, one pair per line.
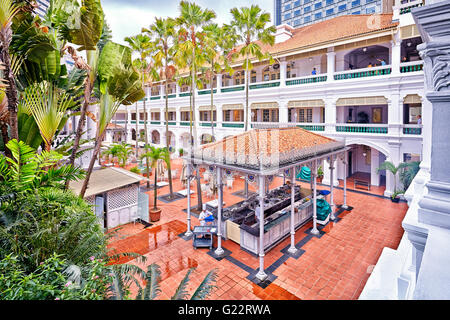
355, 78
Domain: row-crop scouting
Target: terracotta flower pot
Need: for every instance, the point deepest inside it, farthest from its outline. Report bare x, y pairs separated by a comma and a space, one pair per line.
155, 215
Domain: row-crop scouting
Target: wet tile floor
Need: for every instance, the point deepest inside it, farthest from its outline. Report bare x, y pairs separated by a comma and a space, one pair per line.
334, 266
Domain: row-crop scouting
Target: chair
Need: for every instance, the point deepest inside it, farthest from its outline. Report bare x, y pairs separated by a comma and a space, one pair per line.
230, 183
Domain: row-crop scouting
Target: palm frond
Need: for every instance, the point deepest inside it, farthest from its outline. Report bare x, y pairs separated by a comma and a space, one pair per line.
181, 292
205, 288
152, 288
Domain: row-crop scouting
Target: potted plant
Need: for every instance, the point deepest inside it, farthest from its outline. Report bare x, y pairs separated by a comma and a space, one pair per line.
389, 166
181, 152
319, 174
395, 196
155, 154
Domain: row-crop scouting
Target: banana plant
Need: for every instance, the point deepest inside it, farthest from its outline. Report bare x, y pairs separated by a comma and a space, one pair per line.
119, 83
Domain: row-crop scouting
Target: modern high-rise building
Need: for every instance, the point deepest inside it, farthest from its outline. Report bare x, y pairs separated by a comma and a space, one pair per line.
42, 7
298, 13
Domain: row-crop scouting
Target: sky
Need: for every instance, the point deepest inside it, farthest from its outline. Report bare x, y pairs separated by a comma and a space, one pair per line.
127, 17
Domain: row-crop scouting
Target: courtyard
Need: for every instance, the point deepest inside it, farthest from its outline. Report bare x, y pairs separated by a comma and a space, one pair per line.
334, 265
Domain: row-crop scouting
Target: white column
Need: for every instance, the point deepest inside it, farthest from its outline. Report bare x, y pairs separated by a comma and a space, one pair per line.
188, 174
345, 162
219, 114
219, 251
283, 112
292, 248
177, 89
374, 164
395, 110
332, 187
162, 90
331, 64
330, 115
314, 195
261, 275
327, 176
395, 57
283, 69
129, 126
178, 115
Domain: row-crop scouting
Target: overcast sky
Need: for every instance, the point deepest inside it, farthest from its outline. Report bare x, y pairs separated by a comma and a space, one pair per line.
127, 17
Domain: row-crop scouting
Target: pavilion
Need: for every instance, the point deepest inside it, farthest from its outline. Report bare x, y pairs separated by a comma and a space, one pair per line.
262, 153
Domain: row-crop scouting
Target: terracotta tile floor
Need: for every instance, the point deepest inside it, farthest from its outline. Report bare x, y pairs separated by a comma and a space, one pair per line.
334, 266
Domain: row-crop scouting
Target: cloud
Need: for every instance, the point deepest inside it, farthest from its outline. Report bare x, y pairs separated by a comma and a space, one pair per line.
126, 18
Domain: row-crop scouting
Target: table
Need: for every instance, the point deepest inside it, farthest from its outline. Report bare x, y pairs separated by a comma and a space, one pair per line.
198, 241
184, 192
214, 204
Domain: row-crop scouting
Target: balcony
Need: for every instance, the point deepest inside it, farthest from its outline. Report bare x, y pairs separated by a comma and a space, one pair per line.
362, 128
412, 66
412, 129
363, 73
311, 126
207, 91
306, 80
265, 84
207, 124
406, 8
229, 124
232, 88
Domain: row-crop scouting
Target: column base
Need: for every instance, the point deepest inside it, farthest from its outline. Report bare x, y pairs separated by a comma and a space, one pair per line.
261, 275
292, 250
219, 251
188, 233
315, 231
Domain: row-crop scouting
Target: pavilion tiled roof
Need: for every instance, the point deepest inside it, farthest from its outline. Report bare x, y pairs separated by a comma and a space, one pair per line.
267, 148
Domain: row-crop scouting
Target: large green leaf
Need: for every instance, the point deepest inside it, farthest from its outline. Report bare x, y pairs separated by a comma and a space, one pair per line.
29, 130
113, 58
84, 26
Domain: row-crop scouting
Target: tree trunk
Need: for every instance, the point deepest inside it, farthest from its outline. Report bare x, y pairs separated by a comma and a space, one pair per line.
136, 135
211, 79
81, 123
169, 169
11, 90
98, 143
246, 97
146, 145
155, 188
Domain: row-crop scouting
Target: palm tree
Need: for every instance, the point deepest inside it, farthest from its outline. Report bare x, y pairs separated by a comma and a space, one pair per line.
87, 34
165, 33
152, 289
155, 154
119, 84
250, 27
48, 107
143, 45
217, 45
407, 175
8, 9
192, 18
389, 166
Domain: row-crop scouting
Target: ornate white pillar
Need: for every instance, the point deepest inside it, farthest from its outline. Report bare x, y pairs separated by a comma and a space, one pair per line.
283, 70
374, 165
292, 249
219, 82
314, 230
332, 174
395, 54
188, 175
261, 275
283, 112
219, 251
331, 64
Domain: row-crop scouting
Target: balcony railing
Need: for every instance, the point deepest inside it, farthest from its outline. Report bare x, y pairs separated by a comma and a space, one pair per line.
155, 98
363, 73
173, 95
412, 129
312, 126
184, 123
408, 7
412, 66
229, 124
232, 88
153, 122
362, 128
266, 84
206, 91
207, 124
184, 94
307, 79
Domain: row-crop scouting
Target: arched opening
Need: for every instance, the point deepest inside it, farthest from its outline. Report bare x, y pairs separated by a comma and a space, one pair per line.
133, 134
412, 109
206, 138
185, 142
172, 141
156, 139
362, 168
366, 57
142, 135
